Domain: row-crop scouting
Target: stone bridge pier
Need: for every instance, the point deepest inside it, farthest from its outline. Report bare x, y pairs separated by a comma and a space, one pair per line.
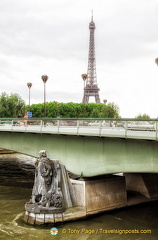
58, 198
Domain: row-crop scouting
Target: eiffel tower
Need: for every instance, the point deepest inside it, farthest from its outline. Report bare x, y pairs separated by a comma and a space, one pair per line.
91, 86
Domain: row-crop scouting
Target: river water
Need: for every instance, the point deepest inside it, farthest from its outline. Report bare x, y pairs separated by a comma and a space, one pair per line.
16, 180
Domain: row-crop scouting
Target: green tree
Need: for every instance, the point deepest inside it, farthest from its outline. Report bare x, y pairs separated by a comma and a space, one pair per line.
11, 105
36, 109
143, 116
94, 113
75, 110
110, 110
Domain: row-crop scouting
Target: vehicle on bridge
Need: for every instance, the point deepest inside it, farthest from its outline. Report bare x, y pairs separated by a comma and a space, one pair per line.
99, 123
141, 125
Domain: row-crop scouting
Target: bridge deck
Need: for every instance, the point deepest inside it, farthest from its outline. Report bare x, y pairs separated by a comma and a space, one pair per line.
87, 148
99, 128
84, 131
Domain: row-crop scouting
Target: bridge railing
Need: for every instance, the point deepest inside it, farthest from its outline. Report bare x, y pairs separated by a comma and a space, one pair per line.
109, 127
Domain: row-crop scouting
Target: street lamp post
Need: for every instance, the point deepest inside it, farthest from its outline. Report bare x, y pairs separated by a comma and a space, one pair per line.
156, 61
105, 101
29, 86
44, 78
84, 77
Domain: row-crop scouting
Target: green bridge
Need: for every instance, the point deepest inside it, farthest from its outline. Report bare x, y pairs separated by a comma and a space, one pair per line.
89, 147
96, 149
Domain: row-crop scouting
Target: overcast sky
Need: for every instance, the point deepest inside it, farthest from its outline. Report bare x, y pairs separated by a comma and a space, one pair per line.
52, 37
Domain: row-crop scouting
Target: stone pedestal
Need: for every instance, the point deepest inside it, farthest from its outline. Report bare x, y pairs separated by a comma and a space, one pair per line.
88, 197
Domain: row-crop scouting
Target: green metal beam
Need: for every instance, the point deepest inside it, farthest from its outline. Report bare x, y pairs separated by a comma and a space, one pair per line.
88, 155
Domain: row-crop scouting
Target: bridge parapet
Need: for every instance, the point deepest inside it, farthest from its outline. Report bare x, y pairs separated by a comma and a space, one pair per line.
111, 127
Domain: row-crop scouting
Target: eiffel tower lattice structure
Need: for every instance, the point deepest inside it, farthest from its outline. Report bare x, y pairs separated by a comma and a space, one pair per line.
90, 85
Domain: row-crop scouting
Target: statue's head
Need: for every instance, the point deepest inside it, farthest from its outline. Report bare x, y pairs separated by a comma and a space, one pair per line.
42, 153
